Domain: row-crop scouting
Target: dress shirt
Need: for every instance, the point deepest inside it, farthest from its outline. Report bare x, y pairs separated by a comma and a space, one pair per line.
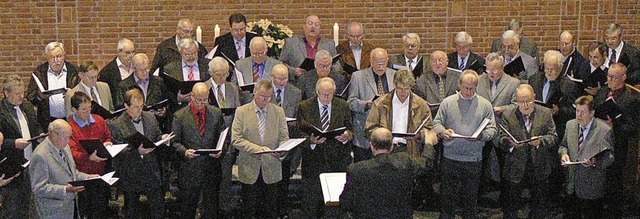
242, 44
275, 94
462, 97
260, 67
214, 88
466, 59
194, 68
414, 62
320, 109
95, 91
82, 123
400, 117
311, 49
618, 53
143, 84
357, 53
197, 112
593, 67
123, 69
586, 129
56, 102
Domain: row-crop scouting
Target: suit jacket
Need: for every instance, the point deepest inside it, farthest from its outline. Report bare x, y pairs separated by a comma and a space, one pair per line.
137, 173
362, 89
32, 90
562, 93
530, 65
348, 57
536, 162
245, 136
398, 62
49, 177
577, 65
292, 96
381, 115
307, 82
174, 70
227, 46
167, 52
103, 91
387, 175
587, 182
505, 93
156, 90
192, 172
11, 129
245, 66
473, 57
332, 155
110, 74
527, 45
427, 88
231, 97
295, 51
630, 57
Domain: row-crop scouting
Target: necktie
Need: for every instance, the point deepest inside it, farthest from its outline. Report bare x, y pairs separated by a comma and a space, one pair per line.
545, 91
143, 86
410, 65
93, 95
461, 67
240, 49
262, 117
221, 101
279, 97
64, 159
380, 86
201, 124
256, 72
613, 57
580, 139
325, 117
527, 123
191, 76
441, 86
494, 88
24, 129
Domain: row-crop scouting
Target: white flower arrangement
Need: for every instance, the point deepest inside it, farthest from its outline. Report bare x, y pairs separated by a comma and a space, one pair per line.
274, 34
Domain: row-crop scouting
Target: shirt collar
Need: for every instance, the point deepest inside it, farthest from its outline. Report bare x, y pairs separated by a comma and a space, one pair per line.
214, 85
243, 40
320, 103
87, 88
258, 108
137, 79
462, 97
397, 100
195, 64
81, 123
415, 60
586, 128
195, 110
63, 72
466, 58
356, 46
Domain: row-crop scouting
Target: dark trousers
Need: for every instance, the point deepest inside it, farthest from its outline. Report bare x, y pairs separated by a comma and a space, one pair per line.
289, 166
153, 207
94, 200
360, 154
577, 208
460, 182
513, 199
260, 199
209, 207
16, 197
226, 195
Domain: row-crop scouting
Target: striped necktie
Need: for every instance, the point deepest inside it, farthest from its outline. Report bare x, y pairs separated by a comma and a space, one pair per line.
325, 117
581, 139
461, 67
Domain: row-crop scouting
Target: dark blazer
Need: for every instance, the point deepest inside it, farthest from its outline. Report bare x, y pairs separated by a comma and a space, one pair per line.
630, 57
32, 89
174, 69
231, 97
192, 172
398, 62
227, 46
11, 129
332, 155
564, 90
577, 64
110, 74
137, 174
387, 175
525, 160
473, 57
587, 182
156, 90
307, 83
348, 57
167, 52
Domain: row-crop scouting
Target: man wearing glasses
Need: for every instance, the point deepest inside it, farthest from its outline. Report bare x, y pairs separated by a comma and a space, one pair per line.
188, 68
527, 165
323, 69
622, 52
98, 91
411, 58
355, 51
235, 44
168, 52
439, 83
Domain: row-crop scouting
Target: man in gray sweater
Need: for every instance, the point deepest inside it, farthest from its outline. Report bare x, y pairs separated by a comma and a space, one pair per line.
460, 115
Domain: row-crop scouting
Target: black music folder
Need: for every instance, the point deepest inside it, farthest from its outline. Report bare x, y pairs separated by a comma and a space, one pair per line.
175, 85
328, 133
515, 67
93, 144
157, 106
104, 113
10, 168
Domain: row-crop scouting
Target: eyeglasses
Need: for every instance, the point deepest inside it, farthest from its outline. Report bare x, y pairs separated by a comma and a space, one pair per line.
57, 57
324, 66
258, 54
265, 98
436, 61
191, 55
525, 103
201, 100
411, 46
551, 70
614, 77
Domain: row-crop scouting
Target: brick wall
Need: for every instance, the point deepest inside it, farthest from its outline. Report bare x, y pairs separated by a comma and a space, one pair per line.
90, 29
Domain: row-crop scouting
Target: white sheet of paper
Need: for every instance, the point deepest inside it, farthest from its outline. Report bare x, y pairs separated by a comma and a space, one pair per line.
171, 135
332, 185
222, 138
116, 149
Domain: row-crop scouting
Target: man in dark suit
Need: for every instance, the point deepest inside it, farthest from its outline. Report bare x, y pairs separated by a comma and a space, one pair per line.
463, 59
138, 167
119, 68
18, 124
575, 64
303, 46
411, 57
188, 68
198, 126
527, 45
235, 44
307, 82
597, 70
586, 137
439, 78
321, 154
260, 174
355, 51
622, 179
167, 51
622, 52
53, 74
527, 165
388, 175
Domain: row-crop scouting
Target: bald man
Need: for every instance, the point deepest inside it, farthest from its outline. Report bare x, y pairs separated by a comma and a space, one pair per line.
439, 78
258, 65
167, 51
198, 126
575, 64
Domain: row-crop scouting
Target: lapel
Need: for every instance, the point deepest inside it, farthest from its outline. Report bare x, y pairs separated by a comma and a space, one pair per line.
302, 47
314, 113
191, 121
390, 84
501, 85
56, 157
587, 139
432, 85
450, 85
7, 113
368, 77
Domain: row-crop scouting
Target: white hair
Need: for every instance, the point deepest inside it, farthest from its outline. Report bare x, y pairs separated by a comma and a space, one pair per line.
53, 45
463, 37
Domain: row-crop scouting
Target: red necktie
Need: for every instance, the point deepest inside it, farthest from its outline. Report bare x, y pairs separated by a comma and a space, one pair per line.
191, 76
201, 123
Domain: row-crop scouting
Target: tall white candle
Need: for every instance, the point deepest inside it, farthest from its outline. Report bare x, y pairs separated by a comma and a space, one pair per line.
199, 34
336, 31
216, 31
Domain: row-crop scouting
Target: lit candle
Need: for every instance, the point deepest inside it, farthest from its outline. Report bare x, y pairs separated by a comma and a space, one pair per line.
216, 31
199, 34
336, 31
